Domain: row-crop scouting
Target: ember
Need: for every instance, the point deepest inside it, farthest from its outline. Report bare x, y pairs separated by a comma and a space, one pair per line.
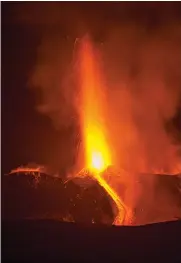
29, 169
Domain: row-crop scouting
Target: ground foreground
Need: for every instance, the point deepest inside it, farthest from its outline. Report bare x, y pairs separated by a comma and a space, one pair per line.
47, 197
50, 241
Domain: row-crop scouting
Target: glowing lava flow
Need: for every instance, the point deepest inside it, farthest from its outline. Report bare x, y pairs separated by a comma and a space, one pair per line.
97, 153
27, 170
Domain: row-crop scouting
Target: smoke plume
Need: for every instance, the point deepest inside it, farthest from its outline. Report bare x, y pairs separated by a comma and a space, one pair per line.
142, 69
143, 76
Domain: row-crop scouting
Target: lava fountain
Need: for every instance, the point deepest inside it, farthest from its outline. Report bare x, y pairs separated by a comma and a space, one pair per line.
93, 121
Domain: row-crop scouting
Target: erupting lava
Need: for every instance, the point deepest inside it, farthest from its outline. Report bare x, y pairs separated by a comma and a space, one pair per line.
93, 107
26, 170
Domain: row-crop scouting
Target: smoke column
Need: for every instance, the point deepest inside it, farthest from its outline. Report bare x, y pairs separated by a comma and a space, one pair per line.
142, 67
143, 74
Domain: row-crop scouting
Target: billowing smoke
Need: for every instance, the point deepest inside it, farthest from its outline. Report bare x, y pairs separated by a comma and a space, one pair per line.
143, 77
142, 67
53, 80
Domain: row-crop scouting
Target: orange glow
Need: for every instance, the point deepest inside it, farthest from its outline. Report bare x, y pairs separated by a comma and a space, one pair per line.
119, 203
97, 156
97, 152
27, 170
93, 108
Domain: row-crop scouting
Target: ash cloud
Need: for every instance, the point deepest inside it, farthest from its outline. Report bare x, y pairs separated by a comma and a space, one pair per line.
53, 79
142, 67
144, 79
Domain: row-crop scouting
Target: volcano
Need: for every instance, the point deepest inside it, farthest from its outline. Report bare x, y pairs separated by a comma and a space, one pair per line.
48, 197
84, 200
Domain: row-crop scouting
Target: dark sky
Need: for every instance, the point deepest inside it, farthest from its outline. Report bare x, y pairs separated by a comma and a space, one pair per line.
28, 136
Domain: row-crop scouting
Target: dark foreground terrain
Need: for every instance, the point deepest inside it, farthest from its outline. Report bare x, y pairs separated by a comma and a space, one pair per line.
50, 241
26, 196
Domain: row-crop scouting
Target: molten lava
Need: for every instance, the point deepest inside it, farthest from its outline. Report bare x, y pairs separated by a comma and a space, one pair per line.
27, 170
92, 115
93, 108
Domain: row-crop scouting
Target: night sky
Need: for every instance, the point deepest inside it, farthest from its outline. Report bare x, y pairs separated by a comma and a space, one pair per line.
28, 136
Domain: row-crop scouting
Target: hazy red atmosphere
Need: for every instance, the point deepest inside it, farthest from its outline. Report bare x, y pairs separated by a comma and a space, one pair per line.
96, 91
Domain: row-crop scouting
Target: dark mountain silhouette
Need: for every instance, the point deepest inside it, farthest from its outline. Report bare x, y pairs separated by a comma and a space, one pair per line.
45, 196
85, 201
